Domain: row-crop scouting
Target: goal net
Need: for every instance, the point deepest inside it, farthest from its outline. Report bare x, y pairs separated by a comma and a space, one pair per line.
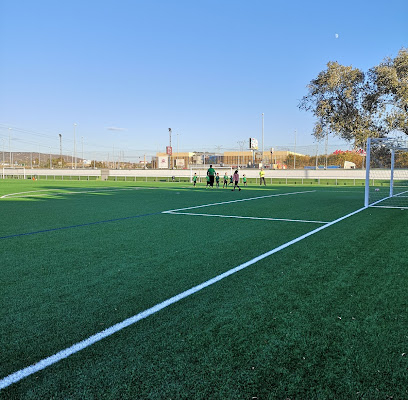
386, 173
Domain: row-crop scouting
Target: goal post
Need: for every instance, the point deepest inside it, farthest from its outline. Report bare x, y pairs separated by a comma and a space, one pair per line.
13, 173
386, 184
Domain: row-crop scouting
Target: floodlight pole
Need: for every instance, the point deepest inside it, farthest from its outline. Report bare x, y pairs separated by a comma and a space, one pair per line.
75, 160
262, 158
60, 138
171, 155
10, 146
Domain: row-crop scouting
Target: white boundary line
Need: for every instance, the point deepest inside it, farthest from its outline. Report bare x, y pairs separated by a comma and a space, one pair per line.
46, 362
239, 217
400, 208
236, 201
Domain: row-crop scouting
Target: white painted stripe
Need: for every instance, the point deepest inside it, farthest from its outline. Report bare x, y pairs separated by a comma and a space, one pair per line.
236, 201
46, 362
400, 208
239, 217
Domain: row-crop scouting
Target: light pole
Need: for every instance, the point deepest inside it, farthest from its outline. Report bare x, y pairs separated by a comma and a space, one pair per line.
82, 142
262, 158
75, 147
60, 138
171, 150
294, 153
10, 160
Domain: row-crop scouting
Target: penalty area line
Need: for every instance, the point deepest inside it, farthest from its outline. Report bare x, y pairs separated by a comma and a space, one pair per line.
46, 362
240, 217
239, 200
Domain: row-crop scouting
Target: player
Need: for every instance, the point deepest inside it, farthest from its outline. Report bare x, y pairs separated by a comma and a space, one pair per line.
211, 174
244, 179
262, 177
195, 179
236, 181
225, 181
217, 180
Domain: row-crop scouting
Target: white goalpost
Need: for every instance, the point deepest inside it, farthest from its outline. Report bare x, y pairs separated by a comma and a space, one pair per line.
386, 184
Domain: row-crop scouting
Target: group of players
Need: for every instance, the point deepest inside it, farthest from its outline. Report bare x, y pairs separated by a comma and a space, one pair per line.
212, 177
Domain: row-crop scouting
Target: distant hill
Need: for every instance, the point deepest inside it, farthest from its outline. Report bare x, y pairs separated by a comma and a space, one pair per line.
25, 158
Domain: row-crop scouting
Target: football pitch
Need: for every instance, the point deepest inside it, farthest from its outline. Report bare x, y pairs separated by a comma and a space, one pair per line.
132, 290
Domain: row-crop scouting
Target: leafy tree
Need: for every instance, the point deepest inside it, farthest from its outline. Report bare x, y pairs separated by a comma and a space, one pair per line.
387, 92
354, 106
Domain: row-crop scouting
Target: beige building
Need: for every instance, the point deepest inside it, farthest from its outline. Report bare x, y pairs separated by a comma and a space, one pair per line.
275, 160
176, 160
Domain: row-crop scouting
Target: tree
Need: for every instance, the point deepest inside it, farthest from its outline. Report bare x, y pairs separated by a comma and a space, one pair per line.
354, 106
387, 92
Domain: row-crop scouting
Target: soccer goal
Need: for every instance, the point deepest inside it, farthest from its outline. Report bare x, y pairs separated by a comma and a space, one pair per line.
13, 173
386, 183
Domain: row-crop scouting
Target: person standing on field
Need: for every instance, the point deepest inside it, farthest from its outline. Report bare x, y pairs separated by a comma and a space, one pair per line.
244, 180
211, 174
236, 180
195, 179
217, 180
262, 177
225, 181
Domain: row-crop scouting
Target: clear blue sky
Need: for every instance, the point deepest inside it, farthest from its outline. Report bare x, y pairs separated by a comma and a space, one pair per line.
206, 69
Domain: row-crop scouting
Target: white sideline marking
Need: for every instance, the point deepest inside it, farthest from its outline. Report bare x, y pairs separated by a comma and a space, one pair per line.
400, 208
101, 190
237, 216
46, 362
236, 201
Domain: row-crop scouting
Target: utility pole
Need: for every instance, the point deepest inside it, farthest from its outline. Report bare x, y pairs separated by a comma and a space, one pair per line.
171, 155
75, 147
262, 158
294, 153
82, 140
10, 160
60, 138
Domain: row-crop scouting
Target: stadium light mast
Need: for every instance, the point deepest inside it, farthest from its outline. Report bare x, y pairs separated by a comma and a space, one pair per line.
10, 161
294, 153
171, 154
75, 160
60, 138
262, 158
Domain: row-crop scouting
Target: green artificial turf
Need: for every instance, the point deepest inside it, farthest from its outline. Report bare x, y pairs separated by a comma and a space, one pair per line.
322, 319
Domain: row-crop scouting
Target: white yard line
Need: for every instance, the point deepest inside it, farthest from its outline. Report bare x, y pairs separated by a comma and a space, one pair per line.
236, 201
239, 217
46, 362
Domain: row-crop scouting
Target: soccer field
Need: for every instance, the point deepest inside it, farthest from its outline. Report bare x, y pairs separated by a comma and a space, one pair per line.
129, 290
